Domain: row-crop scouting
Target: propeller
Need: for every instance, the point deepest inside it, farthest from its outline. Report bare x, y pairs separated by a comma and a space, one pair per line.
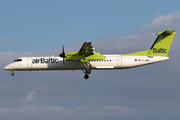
62, 54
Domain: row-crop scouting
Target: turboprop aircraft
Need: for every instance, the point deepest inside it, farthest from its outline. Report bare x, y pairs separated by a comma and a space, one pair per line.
86, 59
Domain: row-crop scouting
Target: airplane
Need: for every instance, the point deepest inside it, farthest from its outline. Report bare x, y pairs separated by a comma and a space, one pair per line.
86, 59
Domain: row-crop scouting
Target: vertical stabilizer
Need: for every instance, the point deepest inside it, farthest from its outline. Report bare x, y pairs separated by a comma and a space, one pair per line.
162, 44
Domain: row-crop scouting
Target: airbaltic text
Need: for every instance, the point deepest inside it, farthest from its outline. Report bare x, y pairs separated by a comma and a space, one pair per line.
160, 50
44, 60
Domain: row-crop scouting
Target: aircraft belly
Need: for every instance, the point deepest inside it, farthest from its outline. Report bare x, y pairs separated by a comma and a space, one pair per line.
105, 65
66, 66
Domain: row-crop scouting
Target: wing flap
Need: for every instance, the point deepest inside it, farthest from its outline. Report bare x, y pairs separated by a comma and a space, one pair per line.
87, 48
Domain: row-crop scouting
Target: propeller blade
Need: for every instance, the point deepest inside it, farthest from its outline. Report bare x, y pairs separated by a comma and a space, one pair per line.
63, 61
63, 49
63, 55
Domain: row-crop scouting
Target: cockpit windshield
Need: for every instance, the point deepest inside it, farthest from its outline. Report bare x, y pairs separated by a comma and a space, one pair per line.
17, 60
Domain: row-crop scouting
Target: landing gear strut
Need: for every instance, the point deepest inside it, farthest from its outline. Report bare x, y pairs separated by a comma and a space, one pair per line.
12, 73
86, 72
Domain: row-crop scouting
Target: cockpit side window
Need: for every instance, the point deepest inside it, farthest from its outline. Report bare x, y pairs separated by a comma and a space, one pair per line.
17, 60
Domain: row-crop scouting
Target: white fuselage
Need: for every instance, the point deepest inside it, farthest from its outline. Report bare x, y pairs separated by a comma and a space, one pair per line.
56, 63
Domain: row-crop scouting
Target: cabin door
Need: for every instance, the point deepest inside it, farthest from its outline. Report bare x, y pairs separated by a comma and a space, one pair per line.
119, 61
29, 62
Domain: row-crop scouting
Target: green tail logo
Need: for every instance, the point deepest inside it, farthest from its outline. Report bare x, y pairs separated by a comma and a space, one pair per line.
160, 47
162, 44
161, 50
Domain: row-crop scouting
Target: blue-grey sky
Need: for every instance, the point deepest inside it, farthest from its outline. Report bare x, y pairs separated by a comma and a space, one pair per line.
40, 28
42, 25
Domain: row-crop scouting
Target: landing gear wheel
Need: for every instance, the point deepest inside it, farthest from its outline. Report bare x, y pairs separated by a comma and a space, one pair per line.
12, 74
86, 76
88, 71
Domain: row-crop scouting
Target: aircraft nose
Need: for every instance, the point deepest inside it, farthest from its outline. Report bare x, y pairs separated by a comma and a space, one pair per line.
8, 67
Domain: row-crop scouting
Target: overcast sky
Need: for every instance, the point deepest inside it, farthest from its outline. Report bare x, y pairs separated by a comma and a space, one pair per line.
40, 28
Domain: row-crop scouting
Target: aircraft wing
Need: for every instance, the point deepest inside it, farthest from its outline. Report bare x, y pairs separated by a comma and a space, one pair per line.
85, 54
87, 48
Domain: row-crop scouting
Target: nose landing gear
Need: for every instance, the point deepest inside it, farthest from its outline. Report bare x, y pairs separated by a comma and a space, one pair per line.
12, 73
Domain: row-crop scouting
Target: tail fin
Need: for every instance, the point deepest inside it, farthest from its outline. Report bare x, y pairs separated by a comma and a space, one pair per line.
162, 44
160, 47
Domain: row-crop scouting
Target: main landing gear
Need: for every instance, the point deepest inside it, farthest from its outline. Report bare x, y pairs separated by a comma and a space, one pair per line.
12, 73
86, 72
